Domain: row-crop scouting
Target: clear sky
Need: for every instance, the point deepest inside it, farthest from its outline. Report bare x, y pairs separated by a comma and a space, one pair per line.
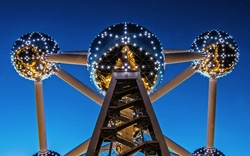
71, 117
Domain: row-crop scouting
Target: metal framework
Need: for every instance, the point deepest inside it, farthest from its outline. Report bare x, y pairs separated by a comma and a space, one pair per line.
126, 117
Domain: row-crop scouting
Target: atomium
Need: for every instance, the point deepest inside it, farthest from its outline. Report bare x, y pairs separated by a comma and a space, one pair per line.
207, 152
47, 153
28, 55
126, 47
222, 53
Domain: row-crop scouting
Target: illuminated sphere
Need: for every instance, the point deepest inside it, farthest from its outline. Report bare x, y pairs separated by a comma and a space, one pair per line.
208, 152
28, 55
47, 153
222, 53
126, 47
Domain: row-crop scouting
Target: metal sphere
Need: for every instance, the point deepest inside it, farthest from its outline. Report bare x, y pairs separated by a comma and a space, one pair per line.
47, 153
125, 47
204, 151
28, 55
222, 53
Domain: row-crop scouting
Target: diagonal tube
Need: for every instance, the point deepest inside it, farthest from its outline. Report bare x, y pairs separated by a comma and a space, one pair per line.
177, 148
79, 149
68, 58
79, 85
211, 112
173, 83
40, 116
179, 57
173, 154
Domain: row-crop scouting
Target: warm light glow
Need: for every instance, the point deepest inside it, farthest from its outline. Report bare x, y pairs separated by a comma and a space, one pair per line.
28, 55
126, 51
221, 50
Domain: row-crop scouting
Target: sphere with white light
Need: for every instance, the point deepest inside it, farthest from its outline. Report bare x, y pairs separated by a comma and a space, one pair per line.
28, 55
126, 47
47, 153
222, 53
204, 151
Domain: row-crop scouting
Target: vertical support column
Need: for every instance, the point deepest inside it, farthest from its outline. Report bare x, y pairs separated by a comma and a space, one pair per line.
40, 116
211, 112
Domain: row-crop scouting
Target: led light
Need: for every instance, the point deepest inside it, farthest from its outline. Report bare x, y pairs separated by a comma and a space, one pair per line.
47, 153
137, 51
204, 151
28, 55
221, 50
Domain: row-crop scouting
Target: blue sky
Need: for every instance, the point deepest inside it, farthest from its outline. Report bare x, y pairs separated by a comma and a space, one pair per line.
71, 117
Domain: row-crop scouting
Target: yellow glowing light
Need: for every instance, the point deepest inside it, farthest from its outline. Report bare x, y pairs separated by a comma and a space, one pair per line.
29, 62
125, 62
213, 64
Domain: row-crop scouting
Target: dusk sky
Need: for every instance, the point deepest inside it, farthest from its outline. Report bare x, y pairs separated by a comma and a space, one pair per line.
71, 116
